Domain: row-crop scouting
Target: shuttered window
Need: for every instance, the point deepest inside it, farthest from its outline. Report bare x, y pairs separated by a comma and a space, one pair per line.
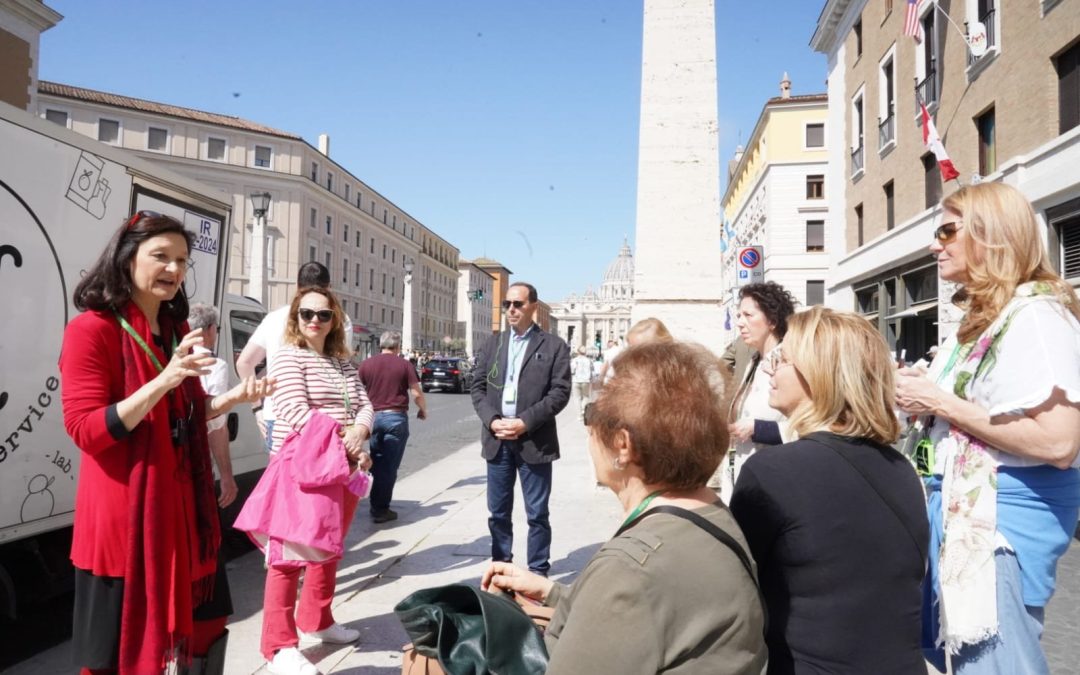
1070, 250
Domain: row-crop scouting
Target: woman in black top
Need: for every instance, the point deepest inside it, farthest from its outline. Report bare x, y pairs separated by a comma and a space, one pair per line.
836, 520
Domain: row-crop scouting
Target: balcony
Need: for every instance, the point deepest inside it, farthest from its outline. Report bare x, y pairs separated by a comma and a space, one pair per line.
926, 91
886, 132
857, 161
989, 20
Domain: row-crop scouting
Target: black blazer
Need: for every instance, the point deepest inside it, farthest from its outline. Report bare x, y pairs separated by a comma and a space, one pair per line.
543, 391
840, 570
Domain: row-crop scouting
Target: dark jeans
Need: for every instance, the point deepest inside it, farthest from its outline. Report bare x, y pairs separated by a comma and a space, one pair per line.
389, 433
536, 489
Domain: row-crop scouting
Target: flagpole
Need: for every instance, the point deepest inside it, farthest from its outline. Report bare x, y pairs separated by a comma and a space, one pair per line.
962, 32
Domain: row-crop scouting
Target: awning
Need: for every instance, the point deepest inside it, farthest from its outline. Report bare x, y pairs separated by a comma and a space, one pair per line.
914, 310
360, 330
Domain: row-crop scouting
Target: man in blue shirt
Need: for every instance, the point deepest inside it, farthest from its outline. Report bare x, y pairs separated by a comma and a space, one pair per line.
522, 382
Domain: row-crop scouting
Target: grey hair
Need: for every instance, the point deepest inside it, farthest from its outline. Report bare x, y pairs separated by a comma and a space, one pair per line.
202, 316
391, 339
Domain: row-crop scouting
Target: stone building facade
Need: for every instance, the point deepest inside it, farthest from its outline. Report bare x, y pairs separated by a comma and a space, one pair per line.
592, 319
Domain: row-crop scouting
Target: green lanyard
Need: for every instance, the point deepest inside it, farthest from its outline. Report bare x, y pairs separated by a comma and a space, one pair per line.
642, 506
142, 343
953, 357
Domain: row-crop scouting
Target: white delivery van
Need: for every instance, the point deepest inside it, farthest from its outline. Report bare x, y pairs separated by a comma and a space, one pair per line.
62, 196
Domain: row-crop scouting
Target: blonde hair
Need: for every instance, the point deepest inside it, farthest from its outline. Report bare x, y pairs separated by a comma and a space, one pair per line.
1004, 249
335, 340
849, 371
649, 330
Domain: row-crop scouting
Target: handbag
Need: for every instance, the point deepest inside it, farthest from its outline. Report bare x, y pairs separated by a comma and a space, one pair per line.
462, 630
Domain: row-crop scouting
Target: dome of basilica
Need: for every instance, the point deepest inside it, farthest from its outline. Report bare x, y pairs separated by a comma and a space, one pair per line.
621, 269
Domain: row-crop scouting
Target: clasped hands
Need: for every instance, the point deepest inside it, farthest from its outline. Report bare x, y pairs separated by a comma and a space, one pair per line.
507, 428
353, 438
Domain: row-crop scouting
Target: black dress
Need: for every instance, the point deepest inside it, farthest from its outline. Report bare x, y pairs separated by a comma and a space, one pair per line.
841, 569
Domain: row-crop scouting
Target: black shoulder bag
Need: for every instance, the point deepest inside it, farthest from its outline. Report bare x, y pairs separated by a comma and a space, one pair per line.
721, 536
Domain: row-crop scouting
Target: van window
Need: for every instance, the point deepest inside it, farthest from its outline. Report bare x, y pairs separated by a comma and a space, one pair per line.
243, 323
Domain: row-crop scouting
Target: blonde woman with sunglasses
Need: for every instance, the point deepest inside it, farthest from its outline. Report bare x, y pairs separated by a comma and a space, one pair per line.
1001, 404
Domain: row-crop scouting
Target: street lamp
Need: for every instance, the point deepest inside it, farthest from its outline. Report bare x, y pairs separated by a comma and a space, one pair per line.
406, 316
260, 204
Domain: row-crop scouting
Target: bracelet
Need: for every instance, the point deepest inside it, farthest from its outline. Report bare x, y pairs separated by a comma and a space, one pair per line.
255, 410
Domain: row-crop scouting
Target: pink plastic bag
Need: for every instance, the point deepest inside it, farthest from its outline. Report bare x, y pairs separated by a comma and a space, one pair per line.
360, 483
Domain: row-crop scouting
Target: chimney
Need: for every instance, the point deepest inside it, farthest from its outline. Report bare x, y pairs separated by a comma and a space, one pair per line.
785, 86
324, 144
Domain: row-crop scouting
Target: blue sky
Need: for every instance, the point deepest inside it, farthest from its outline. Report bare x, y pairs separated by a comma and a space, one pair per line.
480, 118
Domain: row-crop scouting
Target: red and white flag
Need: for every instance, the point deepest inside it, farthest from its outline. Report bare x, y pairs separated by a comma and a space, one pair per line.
933, 143
912, 25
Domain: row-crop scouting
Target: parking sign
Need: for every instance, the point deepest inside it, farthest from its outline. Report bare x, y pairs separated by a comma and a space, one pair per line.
751, 265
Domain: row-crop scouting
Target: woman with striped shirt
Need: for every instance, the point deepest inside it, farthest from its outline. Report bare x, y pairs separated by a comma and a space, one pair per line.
314, 374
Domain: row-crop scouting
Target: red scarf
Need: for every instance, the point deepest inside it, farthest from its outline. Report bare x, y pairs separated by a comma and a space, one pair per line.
172, 512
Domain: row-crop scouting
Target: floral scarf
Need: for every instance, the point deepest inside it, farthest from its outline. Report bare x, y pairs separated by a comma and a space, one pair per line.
967, 575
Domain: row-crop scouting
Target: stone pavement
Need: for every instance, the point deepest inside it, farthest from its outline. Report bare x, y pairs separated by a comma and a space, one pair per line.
441, 537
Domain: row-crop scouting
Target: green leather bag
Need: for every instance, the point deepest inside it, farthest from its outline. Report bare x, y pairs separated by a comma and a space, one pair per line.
472, 632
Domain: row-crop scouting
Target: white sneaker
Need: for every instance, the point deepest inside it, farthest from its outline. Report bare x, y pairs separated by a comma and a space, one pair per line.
334, 634
290, 661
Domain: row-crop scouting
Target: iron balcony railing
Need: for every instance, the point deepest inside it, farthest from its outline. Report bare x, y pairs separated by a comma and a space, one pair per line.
926, 91
857, 160
886, 131
991, 38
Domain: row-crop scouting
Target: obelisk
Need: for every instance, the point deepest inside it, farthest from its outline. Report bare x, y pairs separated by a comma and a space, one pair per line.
677, 276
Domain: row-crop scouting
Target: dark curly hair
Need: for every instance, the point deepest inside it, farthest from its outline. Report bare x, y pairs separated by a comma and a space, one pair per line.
774, 301
107, 285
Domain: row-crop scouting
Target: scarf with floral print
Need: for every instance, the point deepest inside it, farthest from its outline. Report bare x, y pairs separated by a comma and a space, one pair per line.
967, 575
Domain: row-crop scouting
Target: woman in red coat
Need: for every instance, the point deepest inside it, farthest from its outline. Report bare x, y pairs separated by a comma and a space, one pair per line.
146, 531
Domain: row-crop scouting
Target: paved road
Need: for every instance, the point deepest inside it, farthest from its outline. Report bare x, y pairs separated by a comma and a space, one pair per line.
451, 423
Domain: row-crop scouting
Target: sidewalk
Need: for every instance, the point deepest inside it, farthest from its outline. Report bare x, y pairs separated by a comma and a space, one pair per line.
441, 537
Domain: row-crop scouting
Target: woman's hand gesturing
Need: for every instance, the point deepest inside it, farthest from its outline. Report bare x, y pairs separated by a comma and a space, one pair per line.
185, 362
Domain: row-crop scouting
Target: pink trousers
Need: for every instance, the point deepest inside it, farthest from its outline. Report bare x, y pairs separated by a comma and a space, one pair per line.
281, 613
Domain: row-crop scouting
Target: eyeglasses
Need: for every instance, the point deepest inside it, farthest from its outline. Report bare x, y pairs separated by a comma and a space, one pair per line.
323, 315
516, 304
139, 216
946, 232
776, 361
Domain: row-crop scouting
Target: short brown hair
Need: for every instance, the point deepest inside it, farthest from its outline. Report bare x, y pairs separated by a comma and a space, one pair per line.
670, 398
335, 339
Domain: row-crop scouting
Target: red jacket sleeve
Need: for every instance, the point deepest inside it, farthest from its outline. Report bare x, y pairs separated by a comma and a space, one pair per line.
90, 382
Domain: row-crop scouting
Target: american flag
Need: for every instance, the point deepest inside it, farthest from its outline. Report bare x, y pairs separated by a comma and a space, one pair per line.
912, 25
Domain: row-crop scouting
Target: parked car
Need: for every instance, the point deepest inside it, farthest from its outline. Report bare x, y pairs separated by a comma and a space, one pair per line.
453, 374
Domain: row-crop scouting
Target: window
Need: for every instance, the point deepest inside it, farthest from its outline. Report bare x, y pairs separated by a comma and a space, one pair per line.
371, 279
345, 271
215, 149
329, 181
359, 198
384, 251
393, 287
857, 134
372, 242
890, 213
815, 186
328, 260
314, 172
356, 280
262, 156
926, 60
1068, 72
987, 145
371, 313
108, 131
312, 253
887, 104
866, 300
815, 292
314, 217
384, 284
857, 30
357, 237
372, 208
57, 117
348, 188
383, 320
329, 225
393, 255
391, 316
157, 139
384, 216
345, 232
394, 222
920, 286
931, 180
815, 235
815, 135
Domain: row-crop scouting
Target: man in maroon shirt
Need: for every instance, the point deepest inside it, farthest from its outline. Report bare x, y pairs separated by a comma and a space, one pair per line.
388, 379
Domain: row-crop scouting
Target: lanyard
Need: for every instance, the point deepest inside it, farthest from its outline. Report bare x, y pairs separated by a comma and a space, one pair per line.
952, 359
516, 353
142, 343
642, 506
344, 386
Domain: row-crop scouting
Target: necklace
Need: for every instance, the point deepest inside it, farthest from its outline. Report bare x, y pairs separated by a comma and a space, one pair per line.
641, 507
343, 383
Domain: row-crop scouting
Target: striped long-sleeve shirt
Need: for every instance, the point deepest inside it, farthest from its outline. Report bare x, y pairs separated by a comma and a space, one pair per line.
307, 381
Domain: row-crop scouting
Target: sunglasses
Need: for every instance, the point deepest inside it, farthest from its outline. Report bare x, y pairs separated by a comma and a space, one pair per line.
323, 315
946, 232
139, 216
516, 304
